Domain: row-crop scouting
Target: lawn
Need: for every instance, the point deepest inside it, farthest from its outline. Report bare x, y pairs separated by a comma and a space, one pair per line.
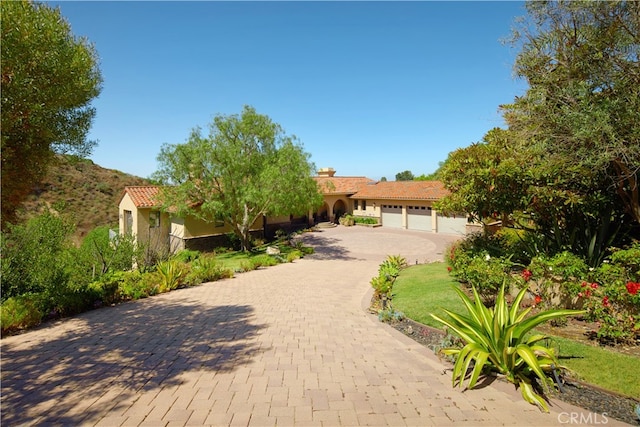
424, 289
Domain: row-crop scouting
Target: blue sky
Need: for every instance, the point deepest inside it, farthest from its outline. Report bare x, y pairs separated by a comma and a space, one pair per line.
370, 88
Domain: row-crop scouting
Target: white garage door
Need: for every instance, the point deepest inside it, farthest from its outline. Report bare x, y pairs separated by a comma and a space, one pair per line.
452, 224
392, 216
418, 218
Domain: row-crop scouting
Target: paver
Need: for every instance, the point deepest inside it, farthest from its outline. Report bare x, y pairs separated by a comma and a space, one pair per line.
288, 345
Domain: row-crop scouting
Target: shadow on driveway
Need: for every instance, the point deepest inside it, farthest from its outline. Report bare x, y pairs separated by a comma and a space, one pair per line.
120, 350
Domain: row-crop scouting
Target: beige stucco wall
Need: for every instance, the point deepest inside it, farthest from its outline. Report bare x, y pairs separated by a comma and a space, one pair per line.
195, 227
374, 209
156, 238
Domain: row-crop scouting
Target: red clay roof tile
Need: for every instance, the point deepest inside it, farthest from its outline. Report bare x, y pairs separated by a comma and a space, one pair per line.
341, 184
403, 190
143, 196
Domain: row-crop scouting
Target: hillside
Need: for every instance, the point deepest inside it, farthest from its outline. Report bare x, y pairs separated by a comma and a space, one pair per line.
86, 192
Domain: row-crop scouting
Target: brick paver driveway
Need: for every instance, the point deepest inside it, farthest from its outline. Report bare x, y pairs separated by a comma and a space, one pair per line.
288, 345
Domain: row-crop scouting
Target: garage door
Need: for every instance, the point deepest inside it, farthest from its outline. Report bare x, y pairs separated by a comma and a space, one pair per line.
452, 224
419, 218
392, 216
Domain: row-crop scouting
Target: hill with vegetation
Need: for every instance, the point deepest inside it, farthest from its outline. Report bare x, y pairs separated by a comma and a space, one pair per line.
84, 191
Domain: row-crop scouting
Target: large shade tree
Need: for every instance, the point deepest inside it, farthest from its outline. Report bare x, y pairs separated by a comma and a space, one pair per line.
49, 77
245, 168
569, 162
582, 110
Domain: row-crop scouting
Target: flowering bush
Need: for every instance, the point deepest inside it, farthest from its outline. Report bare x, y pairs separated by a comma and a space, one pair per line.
553, 279
615, 308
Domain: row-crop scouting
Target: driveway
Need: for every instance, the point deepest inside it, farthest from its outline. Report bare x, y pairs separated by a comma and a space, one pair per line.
288, 345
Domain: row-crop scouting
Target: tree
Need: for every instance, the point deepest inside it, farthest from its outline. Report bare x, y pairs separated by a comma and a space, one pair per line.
383, 179
246, 168
486, 179
404, 176
582, 63
49, 78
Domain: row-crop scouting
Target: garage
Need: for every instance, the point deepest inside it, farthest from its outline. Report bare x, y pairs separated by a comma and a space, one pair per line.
455, 224
419, 218
392, 216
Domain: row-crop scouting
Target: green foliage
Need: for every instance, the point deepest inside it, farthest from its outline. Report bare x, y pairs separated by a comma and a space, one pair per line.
347, 220
294, 255
206, 269
49, 78
20, 312
36, 256
389, 314
428, 288
404, 176
365, 220
171, 273
246, 168
382, 284
186, 256
100, 254
555, 279
497, 339
479, 261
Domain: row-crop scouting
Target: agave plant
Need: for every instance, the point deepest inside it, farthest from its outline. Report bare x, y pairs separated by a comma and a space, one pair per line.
170, 273
498, 339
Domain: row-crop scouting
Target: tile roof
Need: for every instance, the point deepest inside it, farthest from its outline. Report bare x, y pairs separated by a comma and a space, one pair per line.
403, 190
143, 196
341, 184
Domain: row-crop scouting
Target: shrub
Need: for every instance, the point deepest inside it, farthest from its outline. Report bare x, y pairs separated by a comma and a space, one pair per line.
365, 220
294, 255
20, 312
186, 255
555, 280
346, 220
206, 269
171, 273
388, 271
497, 339
37, 257
487, 275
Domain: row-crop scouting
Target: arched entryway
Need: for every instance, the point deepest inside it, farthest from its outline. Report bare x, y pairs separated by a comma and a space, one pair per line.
322, 214
339, 209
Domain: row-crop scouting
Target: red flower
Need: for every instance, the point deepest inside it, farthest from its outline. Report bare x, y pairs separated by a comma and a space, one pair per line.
538, 299
584, 284
633, 288
526, 274
449, 269
594, 286
587, 293
605, 301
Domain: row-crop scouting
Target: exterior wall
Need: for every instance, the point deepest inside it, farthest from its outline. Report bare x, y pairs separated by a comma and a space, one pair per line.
333, 201
195, 227
374, 209
155, 238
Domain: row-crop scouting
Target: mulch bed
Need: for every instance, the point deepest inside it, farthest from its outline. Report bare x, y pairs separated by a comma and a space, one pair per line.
577, 393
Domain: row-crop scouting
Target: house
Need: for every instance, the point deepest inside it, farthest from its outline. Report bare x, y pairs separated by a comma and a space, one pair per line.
394, 204
162, 232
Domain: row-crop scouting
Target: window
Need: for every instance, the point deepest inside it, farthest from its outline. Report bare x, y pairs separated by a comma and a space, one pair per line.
154, 219
364, 205
128, 222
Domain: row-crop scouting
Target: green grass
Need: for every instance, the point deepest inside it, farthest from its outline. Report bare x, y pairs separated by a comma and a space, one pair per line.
235, 259
424, 289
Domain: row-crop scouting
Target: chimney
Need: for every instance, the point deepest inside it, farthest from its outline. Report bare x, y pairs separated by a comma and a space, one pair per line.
326, 172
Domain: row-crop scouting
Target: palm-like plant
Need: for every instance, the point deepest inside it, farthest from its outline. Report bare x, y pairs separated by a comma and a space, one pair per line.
497, 338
